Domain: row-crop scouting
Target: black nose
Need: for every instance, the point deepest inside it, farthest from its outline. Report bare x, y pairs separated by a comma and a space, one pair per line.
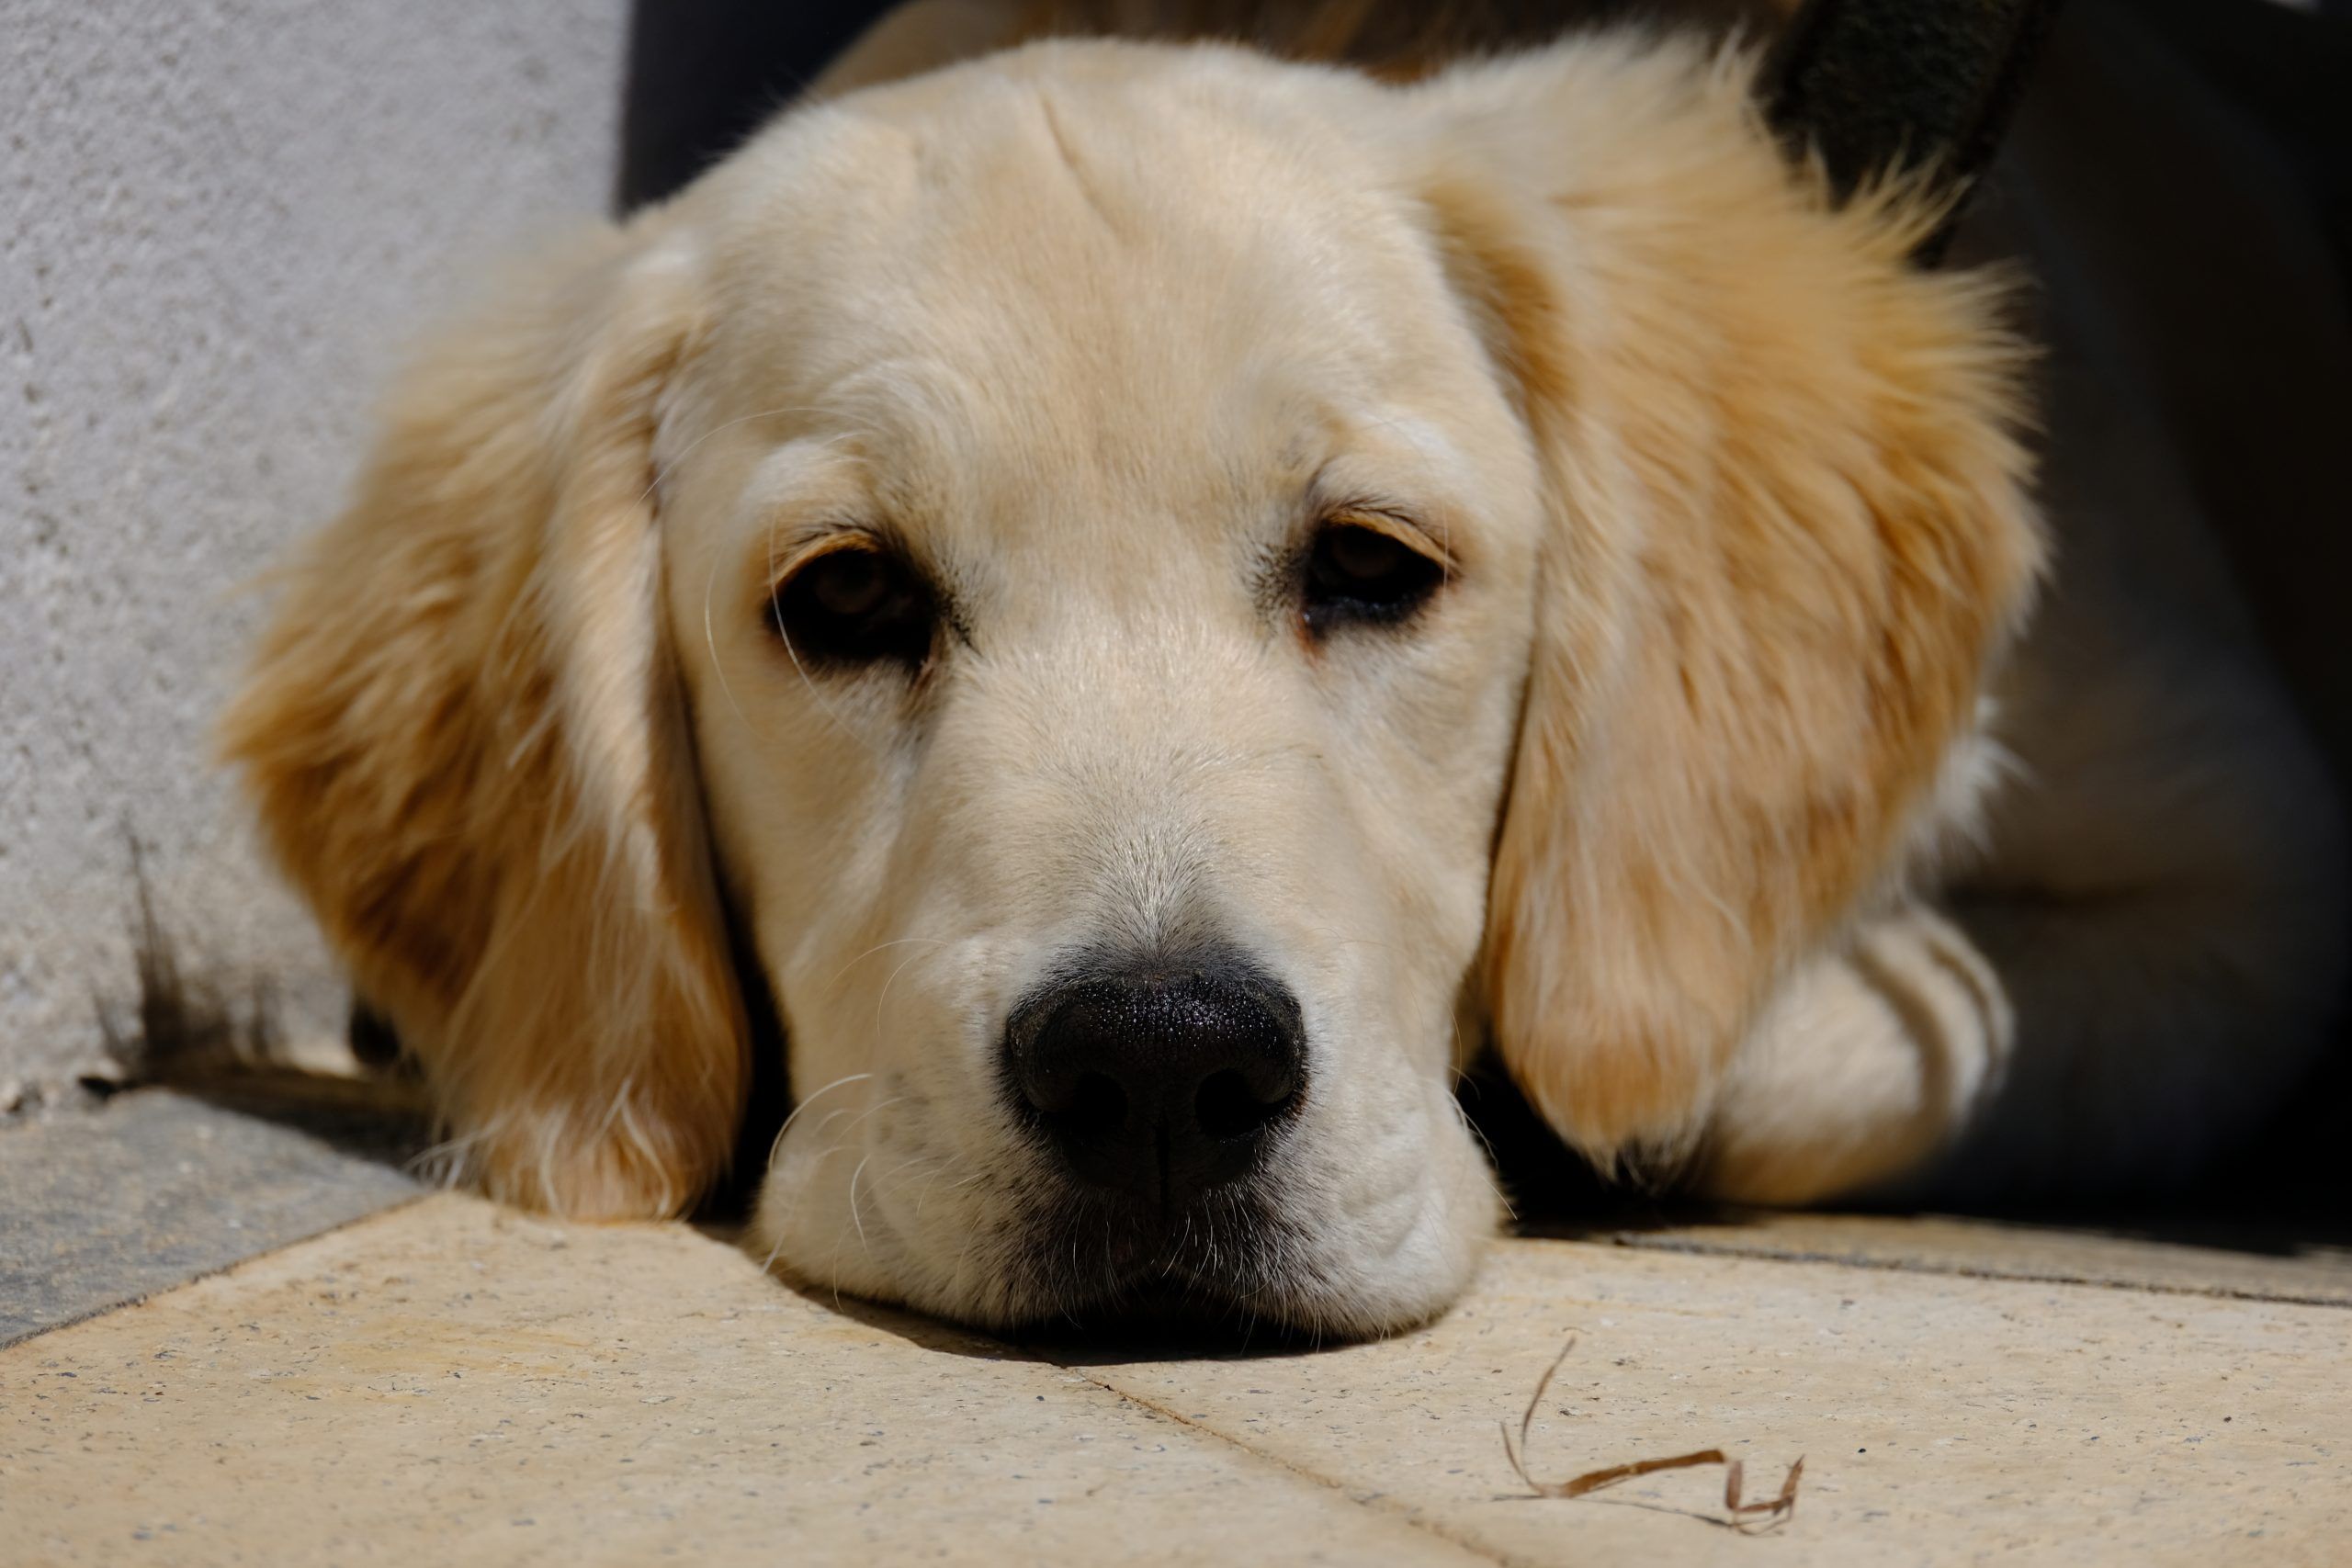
1158, 1084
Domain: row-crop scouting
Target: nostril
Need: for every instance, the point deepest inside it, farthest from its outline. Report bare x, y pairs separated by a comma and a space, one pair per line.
1074, 1098
1101, 1102
1229, 1106
1094, 1108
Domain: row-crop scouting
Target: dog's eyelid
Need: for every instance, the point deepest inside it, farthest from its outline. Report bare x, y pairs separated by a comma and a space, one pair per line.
789, 557
1400, 526
792, 552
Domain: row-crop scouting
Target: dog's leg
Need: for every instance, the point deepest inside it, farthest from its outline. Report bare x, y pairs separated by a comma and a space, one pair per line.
2144, 962
1862, 1067
2017, 1045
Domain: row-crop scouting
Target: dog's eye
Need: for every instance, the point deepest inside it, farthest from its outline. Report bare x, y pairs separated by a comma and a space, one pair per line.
855, 604
1356, 573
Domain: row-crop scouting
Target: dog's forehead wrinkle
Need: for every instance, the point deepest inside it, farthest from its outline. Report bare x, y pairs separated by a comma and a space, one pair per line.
997, 222
1089, 186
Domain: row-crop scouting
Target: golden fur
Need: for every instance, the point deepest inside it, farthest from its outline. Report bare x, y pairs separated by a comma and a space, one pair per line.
466, 741
1741, 510
1791, 455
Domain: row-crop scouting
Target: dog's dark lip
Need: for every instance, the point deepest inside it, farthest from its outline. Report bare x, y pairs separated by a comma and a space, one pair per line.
1110, 1278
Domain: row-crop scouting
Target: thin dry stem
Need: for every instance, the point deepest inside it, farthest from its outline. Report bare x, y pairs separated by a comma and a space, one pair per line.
1746, 1516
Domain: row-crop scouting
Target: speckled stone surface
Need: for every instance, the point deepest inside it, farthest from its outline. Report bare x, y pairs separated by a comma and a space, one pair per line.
157, 1188
449, 1383
1942, 1419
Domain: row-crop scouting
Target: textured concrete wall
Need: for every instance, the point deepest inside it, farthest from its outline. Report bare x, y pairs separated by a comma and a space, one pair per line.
219, 221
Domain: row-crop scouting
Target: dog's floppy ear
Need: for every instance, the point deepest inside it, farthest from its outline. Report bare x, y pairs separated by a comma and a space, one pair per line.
1787, 531
465, 735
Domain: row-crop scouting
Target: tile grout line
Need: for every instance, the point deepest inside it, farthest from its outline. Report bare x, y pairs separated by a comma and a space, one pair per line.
1042, 1357
1961, 1272
1375, 1503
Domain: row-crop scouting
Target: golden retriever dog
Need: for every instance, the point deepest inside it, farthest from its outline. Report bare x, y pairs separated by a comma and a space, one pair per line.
1169, 595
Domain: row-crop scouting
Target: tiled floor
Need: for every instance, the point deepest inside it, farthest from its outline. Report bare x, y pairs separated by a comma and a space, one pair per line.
443, 1381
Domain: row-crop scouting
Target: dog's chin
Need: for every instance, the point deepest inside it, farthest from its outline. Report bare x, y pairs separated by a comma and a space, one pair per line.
1233, 1273
1321, 1246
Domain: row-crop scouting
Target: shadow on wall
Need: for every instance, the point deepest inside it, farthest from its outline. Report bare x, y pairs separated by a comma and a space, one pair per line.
181, 1028
179, 1023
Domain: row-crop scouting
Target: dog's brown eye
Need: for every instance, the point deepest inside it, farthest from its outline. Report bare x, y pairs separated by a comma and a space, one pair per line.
1355, 573
857, 605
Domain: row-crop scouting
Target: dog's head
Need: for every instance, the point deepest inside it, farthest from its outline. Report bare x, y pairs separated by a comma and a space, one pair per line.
1173, 593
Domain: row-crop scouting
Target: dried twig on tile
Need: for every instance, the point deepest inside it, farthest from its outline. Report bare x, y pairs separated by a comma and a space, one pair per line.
1745, 1516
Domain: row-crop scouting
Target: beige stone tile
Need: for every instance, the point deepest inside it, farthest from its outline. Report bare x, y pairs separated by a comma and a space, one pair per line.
1942, 1419
2286, 1271
451, 1384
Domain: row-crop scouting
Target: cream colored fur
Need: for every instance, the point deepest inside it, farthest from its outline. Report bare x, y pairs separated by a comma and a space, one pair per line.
1670, 788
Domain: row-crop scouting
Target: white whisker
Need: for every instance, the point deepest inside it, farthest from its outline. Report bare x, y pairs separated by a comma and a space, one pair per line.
885, 997
777, 1143
879, 947
855, 1217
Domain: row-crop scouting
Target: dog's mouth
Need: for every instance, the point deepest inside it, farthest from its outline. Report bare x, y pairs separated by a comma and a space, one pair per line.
1215, 1273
